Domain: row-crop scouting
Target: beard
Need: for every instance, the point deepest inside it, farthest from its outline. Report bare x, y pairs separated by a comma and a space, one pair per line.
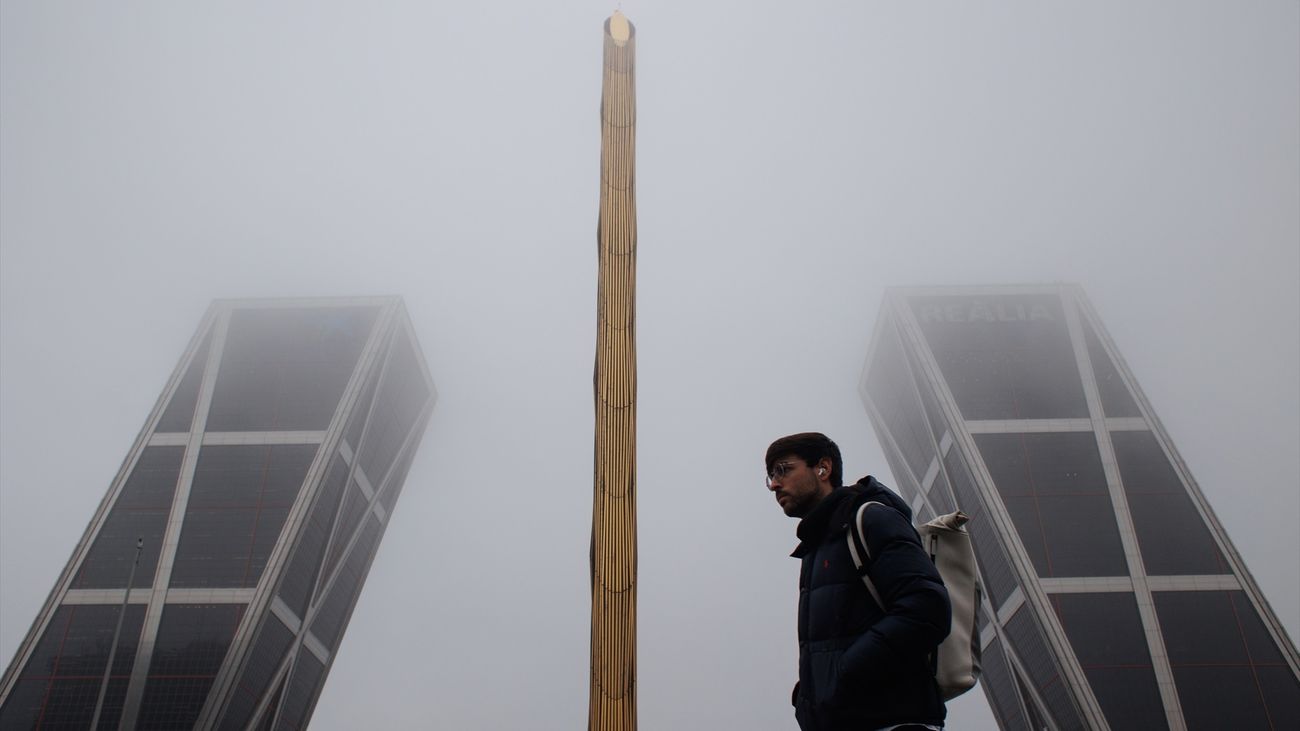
797, 508
801, 498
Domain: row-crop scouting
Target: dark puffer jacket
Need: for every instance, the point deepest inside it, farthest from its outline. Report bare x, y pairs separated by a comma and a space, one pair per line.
862, 668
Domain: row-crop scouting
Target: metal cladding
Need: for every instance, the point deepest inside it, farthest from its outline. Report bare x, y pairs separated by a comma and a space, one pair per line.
613, 529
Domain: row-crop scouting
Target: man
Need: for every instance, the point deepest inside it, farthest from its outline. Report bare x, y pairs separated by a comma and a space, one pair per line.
862, 667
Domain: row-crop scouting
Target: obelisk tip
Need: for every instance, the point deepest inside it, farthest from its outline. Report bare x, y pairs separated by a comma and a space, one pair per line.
619, 29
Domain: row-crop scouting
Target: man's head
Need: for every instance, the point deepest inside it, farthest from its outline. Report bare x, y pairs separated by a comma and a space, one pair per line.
801, 470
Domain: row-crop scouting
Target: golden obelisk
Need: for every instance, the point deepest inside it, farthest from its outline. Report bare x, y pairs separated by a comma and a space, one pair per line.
613, 523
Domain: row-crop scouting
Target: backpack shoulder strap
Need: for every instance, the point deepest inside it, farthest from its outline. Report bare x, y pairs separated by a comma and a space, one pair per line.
858, 549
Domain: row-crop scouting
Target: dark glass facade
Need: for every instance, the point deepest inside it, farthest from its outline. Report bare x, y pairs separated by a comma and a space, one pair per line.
180, 408
1054, 489
1221, 652
304, 567
1105, 632
140, 513
1111, 597
239, 499
1004, 357
263, 662
285, 369
1173, 537
60, 683
190, 647
235, 613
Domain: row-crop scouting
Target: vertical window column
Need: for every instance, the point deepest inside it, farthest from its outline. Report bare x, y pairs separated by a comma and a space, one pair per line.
162, 578
1124, 520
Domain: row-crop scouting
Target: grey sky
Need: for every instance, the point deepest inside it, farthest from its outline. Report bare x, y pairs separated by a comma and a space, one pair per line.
794, 160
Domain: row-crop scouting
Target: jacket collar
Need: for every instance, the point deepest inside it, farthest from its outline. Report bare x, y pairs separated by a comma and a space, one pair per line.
816, 524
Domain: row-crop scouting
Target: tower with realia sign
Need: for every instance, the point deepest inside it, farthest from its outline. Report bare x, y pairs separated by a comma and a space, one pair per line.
1113, 598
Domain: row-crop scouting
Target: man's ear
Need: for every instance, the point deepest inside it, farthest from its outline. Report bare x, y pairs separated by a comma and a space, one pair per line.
824, 469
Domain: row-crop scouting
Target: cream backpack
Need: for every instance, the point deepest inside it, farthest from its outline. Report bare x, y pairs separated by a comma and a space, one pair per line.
945, 539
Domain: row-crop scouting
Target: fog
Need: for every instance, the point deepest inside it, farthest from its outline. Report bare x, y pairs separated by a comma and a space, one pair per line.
793, 161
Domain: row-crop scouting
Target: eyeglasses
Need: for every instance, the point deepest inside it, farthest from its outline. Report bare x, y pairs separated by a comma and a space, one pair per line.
780, 470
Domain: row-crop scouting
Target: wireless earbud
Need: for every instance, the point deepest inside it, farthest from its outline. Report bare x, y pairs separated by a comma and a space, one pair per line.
821, 472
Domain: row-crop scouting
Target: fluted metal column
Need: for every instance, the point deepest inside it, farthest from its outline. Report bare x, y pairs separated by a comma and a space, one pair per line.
613, 528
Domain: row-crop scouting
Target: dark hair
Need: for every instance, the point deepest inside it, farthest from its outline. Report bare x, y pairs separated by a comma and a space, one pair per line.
812, 447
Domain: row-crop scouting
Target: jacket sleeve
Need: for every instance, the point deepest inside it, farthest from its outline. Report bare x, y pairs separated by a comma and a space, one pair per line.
917, 611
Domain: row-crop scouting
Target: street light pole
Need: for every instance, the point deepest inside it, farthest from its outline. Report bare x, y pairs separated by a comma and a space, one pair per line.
117, 632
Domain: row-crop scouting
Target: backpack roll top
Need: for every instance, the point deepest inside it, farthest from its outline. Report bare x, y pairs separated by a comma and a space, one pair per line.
946, 540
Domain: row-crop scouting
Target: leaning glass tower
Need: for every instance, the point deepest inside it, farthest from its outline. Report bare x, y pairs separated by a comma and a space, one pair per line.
1114, 598
258, 490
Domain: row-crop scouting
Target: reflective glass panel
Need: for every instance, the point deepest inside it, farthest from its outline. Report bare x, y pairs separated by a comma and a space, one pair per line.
337, 606
999, 688
59, 685
361, 410
272, 643
1004, 357
904, 484
890, 388
300, 578
1033, 711
300, 698
1229, 672
285, 368
1055, 490
238, 502
400, 400
941, 495
272, 708
1116, 401
1029, 644
1171, 534
191, 645
393, 488
933, 415
354, 507
1106, 634
180, 409
140, 512
996, 575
